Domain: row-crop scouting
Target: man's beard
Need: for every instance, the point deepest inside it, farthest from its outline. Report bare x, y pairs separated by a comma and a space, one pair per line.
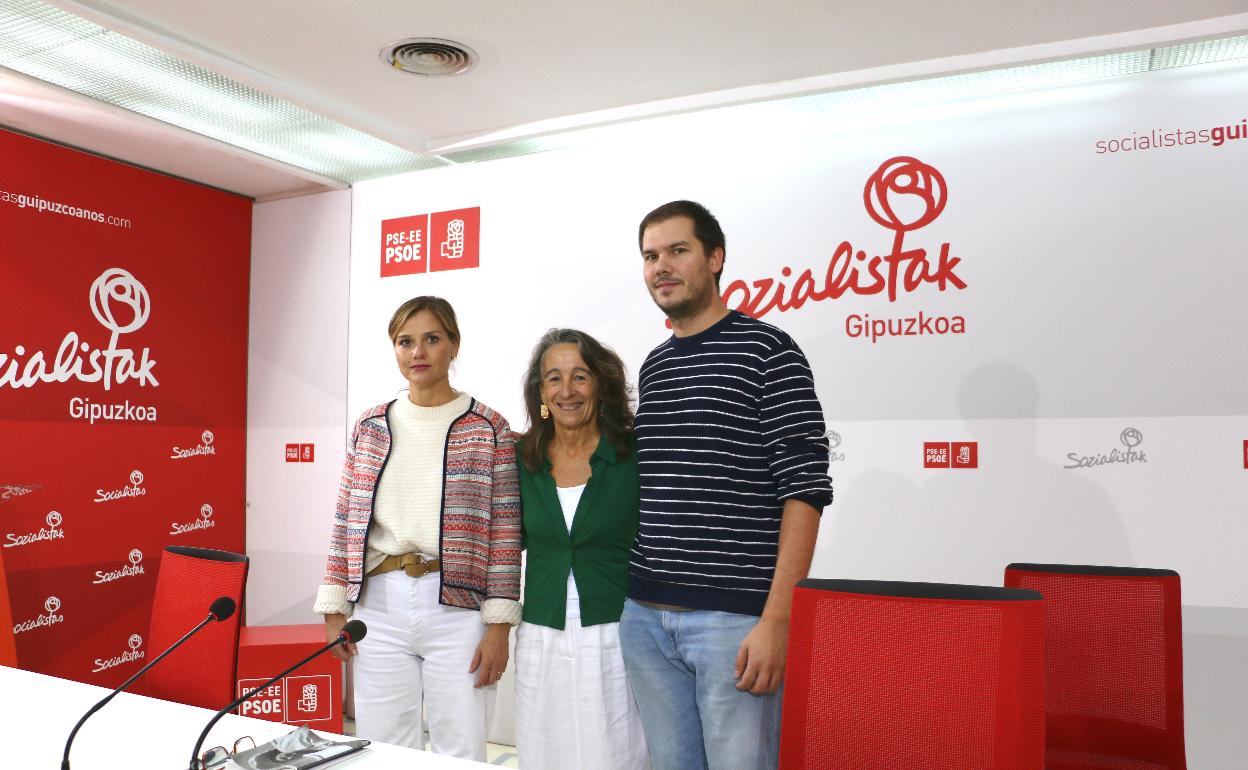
691, 305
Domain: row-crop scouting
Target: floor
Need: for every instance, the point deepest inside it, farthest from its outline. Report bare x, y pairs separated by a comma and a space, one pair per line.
497, 754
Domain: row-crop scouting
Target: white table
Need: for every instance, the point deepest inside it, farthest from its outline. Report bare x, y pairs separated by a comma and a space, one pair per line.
133, 731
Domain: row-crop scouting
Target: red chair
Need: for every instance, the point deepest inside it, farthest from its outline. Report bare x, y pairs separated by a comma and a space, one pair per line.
922, 676
1113, 665
202, 671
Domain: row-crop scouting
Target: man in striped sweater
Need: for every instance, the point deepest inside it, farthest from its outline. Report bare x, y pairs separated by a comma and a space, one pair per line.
733, 464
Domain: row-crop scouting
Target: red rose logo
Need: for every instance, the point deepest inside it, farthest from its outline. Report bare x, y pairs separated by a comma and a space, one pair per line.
904, 194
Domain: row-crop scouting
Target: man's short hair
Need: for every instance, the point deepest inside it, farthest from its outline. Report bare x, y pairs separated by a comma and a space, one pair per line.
705, 226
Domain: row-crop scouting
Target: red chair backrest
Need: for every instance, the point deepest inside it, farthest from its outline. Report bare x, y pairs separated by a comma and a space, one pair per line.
202, 671
1114, 664
8, 644
922, 676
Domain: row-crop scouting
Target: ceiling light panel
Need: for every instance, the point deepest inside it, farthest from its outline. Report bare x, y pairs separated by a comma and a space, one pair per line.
1200, 52
878, 98
68, 51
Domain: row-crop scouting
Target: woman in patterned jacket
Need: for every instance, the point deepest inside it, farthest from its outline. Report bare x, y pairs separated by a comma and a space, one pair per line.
425, 548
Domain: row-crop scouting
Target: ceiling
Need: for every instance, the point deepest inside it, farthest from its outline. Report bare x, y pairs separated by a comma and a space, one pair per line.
559, 64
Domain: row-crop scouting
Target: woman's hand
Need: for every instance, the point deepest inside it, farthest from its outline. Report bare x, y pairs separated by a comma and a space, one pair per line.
490, 660
333, 627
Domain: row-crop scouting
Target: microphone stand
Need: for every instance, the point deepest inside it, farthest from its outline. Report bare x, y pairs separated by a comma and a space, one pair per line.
65, 760
195, 761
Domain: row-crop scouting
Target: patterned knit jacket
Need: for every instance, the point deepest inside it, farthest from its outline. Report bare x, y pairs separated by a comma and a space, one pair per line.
480, 518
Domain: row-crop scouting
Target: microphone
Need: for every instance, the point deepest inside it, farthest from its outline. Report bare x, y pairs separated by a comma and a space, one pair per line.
221, 608
352, 632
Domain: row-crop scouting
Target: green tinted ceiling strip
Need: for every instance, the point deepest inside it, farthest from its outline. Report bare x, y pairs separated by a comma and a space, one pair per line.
73, 53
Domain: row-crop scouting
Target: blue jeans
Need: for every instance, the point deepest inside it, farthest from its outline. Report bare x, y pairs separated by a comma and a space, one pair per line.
680, 666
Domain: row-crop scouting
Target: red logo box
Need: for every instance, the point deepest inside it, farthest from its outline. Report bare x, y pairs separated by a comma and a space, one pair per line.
292, 453
309, 698
935, 454
964, 454
455, 239
1246, 454
404, 245
307, 453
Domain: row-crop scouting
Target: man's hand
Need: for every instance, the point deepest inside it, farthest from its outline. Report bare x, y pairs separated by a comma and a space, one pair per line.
490, 660
333, 627
760, 661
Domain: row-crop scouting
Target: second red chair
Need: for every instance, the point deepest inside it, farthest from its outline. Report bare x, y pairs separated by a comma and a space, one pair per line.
922, 676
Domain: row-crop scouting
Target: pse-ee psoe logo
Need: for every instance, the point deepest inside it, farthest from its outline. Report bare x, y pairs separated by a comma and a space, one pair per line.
428, 243
300, 453
903, 196
293, 699
950, 454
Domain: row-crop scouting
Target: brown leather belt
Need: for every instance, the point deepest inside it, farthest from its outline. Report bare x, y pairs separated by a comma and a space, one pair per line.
414, 564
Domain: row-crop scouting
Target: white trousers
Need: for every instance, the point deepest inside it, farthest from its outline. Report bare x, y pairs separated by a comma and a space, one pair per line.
416, 654
574, 708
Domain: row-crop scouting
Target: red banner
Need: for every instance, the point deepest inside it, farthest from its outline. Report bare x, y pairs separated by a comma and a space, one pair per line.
123, 355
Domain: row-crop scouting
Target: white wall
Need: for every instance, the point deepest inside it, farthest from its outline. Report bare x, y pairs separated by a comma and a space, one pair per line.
296, 393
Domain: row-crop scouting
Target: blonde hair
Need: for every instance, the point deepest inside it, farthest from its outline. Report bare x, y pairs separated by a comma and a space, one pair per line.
440, 308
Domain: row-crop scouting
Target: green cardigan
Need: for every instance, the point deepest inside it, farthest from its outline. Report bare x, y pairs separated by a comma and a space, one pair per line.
597, 549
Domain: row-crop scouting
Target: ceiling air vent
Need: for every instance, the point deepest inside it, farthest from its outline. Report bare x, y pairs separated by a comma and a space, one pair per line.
429, 56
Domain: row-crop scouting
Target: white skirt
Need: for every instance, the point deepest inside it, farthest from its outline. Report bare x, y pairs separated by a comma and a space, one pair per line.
574, 708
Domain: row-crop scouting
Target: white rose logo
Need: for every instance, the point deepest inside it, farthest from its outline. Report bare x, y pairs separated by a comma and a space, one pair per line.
52, 605
136, 477
1131, 438
54, 519
136, 556
834, 439
207, 437
205, 511
136, 642
119, 301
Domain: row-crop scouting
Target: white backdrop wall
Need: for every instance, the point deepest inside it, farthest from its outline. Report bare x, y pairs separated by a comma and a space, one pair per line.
1102, 313
296, 393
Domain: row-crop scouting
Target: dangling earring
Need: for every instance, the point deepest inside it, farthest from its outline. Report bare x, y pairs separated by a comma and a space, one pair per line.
544, 412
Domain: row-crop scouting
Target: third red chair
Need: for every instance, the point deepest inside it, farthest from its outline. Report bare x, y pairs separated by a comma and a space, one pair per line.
1114, 665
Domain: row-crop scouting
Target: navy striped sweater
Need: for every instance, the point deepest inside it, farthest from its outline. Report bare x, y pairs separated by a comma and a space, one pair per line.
728, 428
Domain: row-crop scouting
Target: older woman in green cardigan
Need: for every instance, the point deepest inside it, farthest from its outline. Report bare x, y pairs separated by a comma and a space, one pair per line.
579, 493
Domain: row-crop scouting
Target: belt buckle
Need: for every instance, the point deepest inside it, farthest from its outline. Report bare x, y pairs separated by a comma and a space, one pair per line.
416, 567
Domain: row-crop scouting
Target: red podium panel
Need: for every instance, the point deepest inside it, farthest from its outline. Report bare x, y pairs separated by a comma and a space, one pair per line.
311, 695
8, 643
